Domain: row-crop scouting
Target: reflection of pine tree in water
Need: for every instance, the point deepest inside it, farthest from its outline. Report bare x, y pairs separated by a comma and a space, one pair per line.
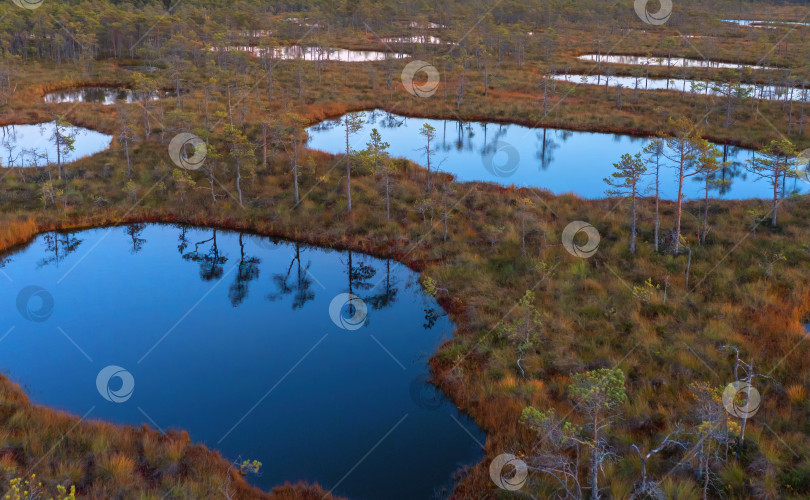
301, 287
210, 261
183, 239
247, 271
444, 146
359, 275
134, 232
545, 148
431, 315
732, 170
388, 294
392, 121
325, 126
491, 145
60, 246
461, 126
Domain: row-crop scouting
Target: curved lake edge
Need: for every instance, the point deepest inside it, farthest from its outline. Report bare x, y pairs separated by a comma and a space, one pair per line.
44, 90
772, 67
38, 119
239, 482
466, 117
67, 86
87, 142
454, 315
624, 73
315, 119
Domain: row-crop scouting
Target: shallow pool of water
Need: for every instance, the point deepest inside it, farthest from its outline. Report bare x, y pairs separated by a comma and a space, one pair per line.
675, 62
323, 54
34, 145
421, 39
765, 92
561, 161
764, 24
246, 343
100, 95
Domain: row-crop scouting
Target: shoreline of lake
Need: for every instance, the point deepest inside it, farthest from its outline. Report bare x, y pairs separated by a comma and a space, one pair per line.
229, 233
563, 168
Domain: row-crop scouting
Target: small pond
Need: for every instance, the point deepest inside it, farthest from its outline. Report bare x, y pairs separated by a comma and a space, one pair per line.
247, 343
33, 145
561, 161
323, 54
764, 24
420, 39
765, 92
101, 95
675, 62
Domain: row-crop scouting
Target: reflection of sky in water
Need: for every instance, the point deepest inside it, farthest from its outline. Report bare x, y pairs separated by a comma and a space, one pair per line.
664, 61
298, 52
558, 160
769, 92
212, 323
763, 24
32, 145
98, 95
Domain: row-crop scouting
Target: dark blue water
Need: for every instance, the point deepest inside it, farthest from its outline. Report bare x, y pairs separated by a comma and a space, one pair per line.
230, 337
561, 161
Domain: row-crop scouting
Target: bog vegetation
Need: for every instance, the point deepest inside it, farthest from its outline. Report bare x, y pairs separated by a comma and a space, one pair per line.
604, 373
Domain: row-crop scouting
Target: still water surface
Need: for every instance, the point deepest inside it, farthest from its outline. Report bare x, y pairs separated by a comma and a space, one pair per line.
561, 161
230, 337
684, 85
101, 95
675, 62
320, 54
33, 145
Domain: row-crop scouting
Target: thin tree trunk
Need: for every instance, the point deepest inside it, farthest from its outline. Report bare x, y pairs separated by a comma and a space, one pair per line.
657, 203
680, 211
706, 473
264, 146
688, 265
775, 197
633, 225
126, 149
295, 171
348, 171
705, 213
387, 196
58, 152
